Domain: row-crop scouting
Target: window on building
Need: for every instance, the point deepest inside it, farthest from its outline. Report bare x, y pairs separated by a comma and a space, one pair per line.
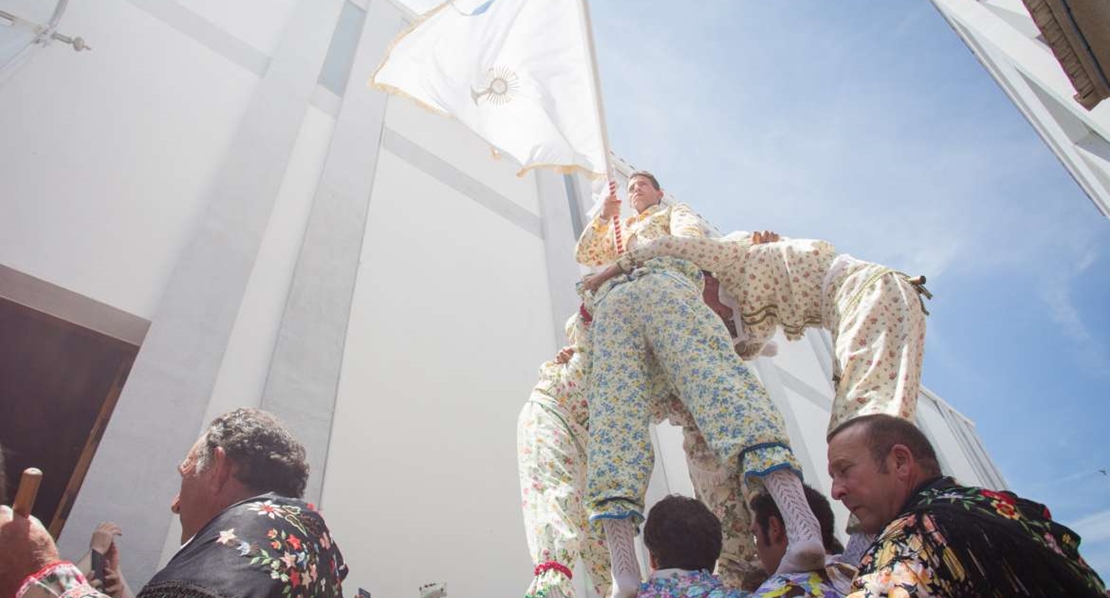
341, 52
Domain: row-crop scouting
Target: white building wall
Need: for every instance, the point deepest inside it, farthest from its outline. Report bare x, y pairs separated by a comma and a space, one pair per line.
110, 160
1008, 44
106, 155
257, 23
446, 332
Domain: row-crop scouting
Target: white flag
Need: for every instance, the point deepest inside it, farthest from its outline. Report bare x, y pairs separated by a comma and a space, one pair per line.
516, 72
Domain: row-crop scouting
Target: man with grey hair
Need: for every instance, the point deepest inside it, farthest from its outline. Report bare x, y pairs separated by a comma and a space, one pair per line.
244, 528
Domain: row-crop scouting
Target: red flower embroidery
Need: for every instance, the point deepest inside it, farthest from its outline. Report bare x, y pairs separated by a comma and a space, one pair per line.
1005, 509
998, 496
294, 541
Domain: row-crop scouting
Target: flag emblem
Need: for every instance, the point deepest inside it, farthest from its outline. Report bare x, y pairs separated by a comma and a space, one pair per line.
517, 73
499, 87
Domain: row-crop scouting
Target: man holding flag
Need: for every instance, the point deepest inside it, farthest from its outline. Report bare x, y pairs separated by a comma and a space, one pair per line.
598, 245
657, 309
522, 75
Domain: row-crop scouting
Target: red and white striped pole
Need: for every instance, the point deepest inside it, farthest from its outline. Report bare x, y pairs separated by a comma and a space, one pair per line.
618, 238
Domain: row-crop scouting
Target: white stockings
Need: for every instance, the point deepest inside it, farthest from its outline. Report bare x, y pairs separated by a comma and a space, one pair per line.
804, 551
620, 535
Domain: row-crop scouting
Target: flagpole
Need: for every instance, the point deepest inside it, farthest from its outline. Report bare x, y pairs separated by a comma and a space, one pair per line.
617, 236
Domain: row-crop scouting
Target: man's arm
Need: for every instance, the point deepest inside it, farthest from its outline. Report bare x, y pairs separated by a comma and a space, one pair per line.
708, 254
596, 246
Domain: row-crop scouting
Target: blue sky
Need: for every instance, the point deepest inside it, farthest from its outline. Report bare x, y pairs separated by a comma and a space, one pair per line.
870, 124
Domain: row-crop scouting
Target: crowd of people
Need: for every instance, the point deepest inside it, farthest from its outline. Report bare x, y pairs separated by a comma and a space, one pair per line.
662, 334
664, 329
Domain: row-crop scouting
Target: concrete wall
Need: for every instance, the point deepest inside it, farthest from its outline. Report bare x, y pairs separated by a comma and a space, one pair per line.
107, 154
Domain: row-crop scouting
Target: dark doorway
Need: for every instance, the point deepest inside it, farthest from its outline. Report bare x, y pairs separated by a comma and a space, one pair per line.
59, 381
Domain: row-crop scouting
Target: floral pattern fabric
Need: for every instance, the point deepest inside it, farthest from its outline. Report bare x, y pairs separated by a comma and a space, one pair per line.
955, 541
597, 245
687, 584
269, 545
832, 582
775, 284
674, 583
723, 492
874, 313
551, 434
59, 580
658, 310
878, 327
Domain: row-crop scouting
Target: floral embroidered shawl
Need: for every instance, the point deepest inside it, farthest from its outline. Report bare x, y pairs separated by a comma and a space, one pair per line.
957, 541
266, 546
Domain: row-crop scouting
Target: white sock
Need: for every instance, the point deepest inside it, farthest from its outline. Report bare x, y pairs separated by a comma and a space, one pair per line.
804, 551
620, 535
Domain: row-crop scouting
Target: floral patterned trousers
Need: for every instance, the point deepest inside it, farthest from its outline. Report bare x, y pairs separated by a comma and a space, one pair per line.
722, 490
552, 465
659, 309
878, 327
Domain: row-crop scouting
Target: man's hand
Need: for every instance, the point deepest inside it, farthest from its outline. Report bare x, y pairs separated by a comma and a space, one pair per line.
564, 354
112, 585
593, 282
102, 538
612, 207
765, 236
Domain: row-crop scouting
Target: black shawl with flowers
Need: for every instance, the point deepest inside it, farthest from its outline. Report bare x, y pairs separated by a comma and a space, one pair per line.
266, 546
957, 541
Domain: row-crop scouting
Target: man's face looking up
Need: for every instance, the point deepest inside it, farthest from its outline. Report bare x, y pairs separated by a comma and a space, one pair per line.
642, 193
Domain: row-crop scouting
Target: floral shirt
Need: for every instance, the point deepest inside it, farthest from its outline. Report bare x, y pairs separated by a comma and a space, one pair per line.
597, 247
266, 546
832, 582
678, 583
957, 541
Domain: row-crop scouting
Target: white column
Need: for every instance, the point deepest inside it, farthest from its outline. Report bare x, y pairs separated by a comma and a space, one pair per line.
305, 369
134, 477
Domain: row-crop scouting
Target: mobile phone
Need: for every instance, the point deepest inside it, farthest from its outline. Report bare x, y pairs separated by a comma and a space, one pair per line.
98, 562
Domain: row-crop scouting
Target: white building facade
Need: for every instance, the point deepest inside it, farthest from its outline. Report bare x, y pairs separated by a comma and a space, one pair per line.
1007, 42
222, 177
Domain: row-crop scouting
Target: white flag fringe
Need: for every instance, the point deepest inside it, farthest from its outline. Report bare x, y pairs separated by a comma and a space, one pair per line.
516, 72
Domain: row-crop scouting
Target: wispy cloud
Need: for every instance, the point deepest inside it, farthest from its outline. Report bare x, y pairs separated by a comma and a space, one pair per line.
1090, 351
1094, 527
